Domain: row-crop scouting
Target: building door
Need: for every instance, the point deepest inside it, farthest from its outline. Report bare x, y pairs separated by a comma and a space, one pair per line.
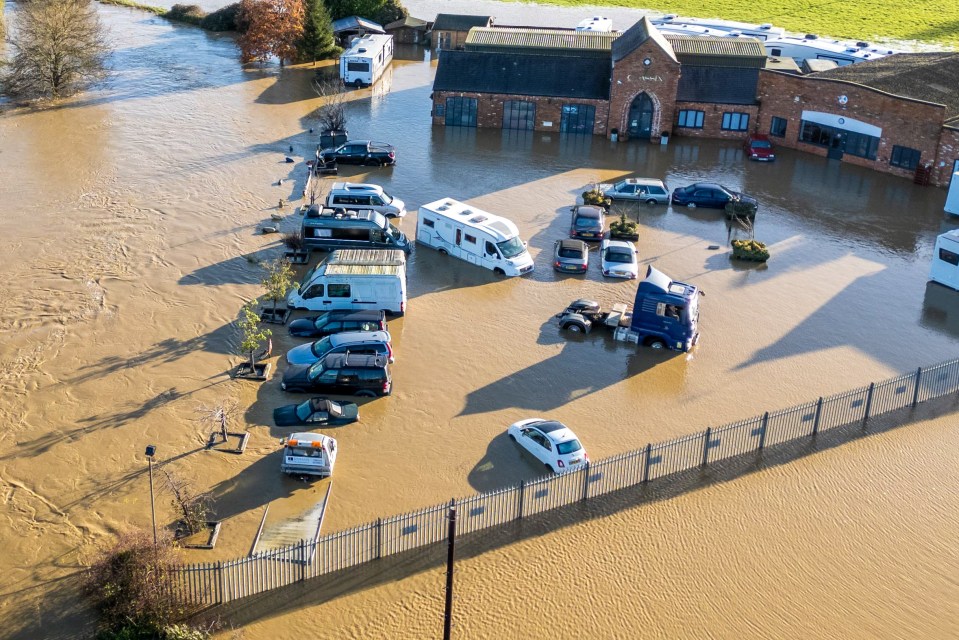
837, 147
641, 117
461, 112
577, 118
519, 115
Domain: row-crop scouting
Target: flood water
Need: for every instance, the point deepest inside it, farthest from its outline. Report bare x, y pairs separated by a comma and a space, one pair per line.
130, 227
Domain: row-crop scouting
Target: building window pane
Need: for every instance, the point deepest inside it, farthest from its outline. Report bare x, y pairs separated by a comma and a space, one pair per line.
519, 115
461, 112
850, 142
733, 121
691, 119
577, 118
778, 127
905, 157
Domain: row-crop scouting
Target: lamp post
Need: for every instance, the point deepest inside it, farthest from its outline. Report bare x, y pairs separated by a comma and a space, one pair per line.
150, 452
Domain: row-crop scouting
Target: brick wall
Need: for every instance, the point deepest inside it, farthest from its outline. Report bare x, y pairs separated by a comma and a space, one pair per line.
948, 154
659, 80
489, 110
904, 122
713, 120
457, 39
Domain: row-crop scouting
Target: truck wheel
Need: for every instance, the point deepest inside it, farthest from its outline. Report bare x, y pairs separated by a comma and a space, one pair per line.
358, 83
655, 343
573, 327
499, 271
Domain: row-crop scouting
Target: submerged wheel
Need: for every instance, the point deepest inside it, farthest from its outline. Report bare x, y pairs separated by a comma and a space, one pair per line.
574, 328
656, 343
550, 468
444, 252
358, 84
511, 437
650, 201
691, 205
365, 393
499, 271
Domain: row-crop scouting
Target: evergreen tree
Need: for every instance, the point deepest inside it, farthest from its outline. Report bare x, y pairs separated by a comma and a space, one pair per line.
317, 42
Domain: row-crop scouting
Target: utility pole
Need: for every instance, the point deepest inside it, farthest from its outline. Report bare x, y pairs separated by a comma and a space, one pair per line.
151, 450
448, 622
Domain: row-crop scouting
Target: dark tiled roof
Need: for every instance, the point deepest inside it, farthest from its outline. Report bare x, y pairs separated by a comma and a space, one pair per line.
722, 85
408, 21
931, 77
525, 75
635, 36
457, 22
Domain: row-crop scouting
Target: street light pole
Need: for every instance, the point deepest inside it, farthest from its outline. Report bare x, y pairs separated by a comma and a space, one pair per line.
448, 622
151, 450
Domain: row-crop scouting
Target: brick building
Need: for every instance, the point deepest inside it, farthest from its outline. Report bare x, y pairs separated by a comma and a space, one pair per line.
898, 114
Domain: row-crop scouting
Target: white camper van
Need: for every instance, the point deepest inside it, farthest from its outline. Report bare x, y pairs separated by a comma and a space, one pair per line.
945, 260
357, 279
952, 196
363, 63
481, 238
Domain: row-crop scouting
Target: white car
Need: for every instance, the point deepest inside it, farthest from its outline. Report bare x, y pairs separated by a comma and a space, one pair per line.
551, 442
363, 342
619, 259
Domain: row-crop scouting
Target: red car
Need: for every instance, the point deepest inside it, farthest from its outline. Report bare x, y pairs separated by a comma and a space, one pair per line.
758, 147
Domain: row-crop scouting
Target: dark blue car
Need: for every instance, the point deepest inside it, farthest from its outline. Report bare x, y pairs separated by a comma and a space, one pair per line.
709, 194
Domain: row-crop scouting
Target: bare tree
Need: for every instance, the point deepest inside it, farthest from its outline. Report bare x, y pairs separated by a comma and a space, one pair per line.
332, 114
217, 416
59, 48
191, 506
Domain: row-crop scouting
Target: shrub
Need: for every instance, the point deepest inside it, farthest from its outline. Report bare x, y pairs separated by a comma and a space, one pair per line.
750, 250
293, 240
623, 226
225, 19
740, 209
189, 13
596, 198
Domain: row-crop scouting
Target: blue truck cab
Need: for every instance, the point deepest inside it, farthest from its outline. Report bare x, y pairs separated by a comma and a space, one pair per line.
665, 315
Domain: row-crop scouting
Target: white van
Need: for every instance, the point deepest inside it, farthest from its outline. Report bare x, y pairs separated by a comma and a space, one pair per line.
945, 260
359, 196
308, 454
363, 63
358, 279
481, 238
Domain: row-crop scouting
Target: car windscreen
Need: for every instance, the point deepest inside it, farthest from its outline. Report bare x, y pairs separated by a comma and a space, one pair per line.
760, 144
570, 446
387, 198
394, 233
315, 371
569, 252
321, 347
618, 255
582, 222
511, 248
303, 410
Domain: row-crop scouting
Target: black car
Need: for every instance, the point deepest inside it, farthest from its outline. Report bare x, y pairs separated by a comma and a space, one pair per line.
341, 374
332, 322
588, 223
709, 194
316, 412
376, 154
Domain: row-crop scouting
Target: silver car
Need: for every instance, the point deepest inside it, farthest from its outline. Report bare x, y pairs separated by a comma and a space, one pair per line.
648, 190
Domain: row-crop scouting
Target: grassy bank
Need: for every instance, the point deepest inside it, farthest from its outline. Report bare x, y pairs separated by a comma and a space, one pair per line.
928, 21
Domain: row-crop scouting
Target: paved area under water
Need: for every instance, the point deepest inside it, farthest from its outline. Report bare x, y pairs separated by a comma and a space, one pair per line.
131, 221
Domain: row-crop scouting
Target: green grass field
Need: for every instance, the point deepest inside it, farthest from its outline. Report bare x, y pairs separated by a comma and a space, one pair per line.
928, 21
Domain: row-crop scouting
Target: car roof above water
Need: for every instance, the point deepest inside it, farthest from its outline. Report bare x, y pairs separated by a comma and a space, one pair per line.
349, 314
361, 361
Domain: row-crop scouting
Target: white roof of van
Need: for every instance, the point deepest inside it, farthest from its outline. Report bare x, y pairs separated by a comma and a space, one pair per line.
499, 227
379, 257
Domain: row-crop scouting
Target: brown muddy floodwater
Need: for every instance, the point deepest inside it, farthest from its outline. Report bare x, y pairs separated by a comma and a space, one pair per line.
130, 226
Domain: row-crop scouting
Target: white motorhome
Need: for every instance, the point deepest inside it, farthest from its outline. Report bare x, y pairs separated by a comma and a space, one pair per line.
481, 238
811, 47
363, 63
700, 26
358, 279
308, 454
596, 23
945, 260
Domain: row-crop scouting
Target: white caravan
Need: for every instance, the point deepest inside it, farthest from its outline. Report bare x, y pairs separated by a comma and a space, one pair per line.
358, 279
700, 26
811, 47
596, 23
481, 238
945, 260
363, 63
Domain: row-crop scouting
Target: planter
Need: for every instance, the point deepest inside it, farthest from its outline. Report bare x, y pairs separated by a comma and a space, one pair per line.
274, 316
301, 256
260, 372
750, 250
201, 539
624, 236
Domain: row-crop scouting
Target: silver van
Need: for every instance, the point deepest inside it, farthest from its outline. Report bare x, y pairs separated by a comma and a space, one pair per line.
361, 196
648, 190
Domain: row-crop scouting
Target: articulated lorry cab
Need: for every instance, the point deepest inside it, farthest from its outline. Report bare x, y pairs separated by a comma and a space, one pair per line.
665, 315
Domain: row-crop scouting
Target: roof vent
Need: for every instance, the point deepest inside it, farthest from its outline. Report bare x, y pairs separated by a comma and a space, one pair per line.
862, 45
361, 50
466, 212
811, 36
765, 26
478, 219
444, 206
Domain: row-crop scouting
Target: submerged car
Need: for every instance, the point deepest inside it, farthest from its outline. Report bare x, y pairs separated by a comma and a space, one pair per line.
550, 442
366, 342
570, 256
316, 411
343, 374
710, 194
588, 223
367, 152
337, 321
648, 190
759, 147
619, 259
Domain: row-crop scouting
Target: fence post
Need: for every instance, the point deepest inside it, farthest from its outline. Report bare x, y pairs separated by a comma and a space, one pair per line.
762, 431
586, 481
915, 391
815, 424
649, 448
302, 561
865, 418
379, 538
221, 588
522, 492
706, 435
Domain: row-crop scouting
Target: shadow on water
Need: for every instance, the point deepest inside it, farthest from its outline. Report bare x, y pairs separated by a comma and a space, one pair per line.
397, 567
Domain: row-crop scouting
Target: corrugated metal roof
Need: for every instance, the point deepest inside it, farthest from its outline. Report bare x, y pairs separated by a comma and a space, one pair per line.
540, 39
367, 257
707, 46
363, 269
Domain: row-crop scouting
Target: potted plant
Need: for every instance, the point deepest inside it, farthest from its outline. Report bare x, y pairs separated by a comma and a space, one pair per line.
596, 198
741, 209
279, 280
252, 336
751, 250
623, 228
297, 252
